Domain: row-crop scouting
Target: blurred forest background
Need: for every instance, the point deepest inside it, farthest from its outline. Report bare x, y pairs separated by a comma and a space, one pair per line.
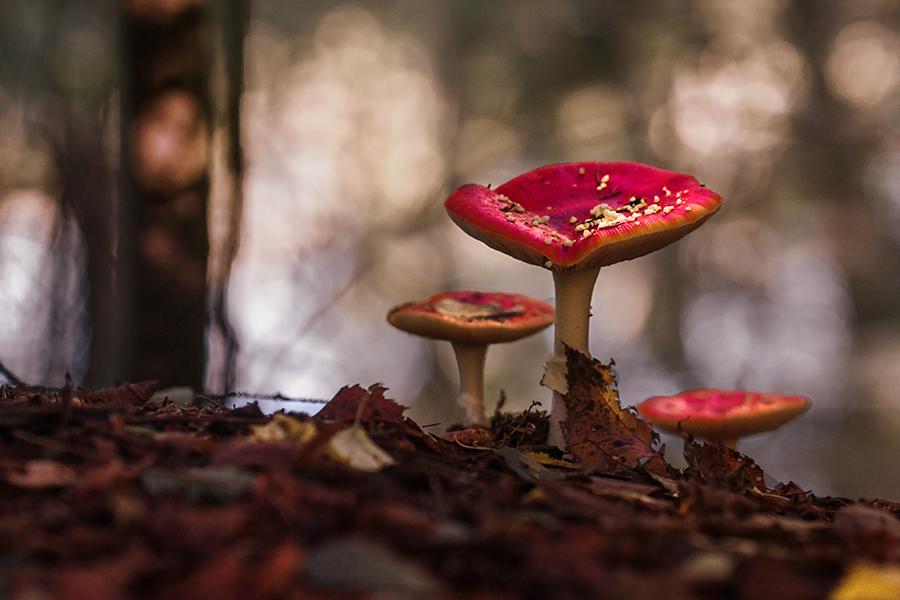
281, 166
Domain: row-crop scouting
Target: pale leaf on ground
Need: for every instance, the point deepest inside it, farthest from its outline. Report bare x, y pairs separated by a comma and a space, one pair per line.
354, 447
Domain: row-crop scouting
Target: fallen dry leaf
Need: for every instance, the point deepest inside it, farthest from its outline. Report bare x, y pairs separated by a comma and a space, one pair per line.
525, 466
354, 447
598, 429
345, 403
282, 428
127, 394
717, 463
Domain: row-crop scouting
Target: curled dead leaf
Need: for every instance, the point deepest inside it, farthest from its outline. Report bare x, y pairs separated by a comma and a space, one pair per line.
353, 446
346, 402
598, 428
282, 428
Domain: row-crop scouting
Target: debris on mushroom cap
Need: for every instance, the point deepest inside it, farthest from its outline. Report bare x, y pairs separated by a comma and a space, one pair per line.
720, 415
473, 317
583, 215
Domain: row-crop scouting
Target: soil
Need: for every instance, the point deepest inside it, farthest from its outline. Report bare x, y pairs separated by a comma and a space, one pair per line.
106, 495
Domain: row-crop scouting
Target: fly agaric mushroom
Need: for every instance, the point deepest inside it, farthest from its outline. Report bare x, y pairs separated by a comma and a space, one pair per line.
471, 321
719, 416
574, 219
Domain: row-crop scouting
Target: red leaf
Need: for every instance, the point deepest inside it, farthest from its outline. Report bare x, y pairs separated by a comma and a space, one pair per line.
128, 394
345, 404
598, 428
719, 463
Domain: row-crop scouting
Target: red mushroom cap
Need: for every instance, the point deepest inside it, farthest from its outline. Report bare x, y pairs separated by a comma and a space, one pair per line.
718, 415
583, 215
473, 317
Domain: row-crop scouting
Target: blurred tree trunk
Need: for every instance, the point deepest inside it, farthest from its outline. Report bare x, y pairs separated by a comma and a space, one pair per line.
90, 187
157, 283
90, 166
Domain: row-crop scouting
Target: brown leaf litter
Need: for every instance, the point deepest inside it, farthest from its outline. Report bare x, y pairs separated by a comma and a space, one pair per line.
105, 495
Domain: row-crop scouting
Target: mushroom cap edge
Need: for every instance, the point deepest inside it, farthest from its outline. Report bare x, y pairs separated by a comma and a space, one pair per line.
743, 413
504, 217
495, 317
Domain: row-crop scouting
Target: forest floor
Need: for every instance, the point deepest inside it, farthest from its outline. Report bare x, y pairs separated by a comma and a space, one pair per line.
105, 495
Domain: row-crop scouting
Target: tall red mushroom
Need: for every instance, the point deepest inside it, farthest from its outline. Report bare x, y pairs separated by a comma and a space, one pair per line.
574, 219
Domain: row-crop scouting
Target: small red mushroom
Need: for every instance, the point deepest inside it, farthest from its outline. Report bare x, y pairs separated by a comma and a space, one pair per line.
471, 321
574, 219
719, 416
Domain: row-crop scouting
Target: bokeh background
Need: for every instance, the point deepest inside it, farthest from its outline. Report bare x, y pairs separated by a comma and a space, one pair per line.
358, 119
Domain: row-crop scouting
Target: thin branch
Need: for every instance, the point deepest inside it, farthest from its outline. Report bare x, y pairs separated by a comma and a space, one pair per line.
10, 375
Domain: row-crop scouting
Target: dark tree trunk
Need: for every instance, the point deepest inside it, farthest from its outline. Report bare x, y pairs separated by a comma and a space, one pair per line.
151, 262
92, 189
166, 77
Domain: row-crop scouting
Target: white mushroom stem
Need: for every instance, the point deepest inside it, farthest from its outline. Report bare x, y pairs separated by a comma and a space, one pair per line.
730, 443
573, 317
470, 360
